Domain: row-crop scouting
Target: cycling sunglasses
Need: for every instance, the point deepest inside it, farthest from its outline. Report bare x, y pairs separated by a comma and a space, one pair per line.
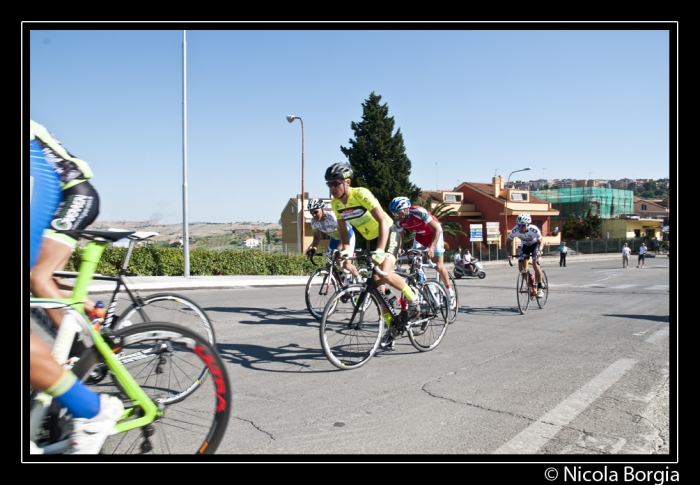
522, 225
334, 183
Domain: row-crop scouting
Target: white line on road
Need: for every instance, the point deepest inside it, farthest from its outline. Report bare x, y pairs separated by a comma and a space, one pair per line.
656, 336
537, 434
621, 287
657, 287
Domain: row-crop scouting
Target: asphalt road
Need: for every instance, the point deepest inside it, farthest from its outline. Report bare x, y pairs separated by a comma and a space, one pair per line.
587, 375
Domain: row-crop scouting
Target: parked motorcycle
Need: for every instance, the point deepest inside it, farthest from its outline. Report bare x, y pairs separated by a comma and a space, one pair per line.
459, 272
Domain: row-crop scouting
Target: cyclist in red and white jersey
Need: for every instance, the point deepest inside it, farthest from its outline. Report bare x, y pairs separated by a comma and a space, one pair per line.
530, 237
428, 233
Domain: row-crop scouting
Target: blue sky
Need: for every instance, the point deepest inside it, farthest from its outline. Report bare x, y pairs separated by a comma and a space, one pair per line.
469, 102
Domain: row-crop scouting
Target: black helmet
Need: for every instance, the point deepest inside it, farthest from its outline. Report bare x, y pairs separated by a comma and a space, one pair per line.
339, 171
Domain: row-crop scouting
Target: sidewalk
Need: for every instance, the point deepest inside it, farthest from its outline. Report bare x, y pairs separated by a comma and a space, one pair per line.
174, 283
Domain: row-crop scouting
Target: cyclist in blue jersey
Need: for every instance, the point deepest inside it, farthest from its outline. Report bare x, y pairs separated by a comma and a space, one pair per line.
94, 415
78, 208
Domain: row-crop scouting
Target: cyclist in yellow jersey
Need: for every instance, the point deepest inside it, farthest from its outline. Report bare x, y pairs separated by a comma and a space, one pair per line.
360, 208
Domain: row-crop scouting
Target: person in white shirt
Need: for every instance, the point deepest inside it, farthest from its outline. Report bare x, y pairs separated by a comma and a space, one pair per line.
467, 261
642, 252
626, 251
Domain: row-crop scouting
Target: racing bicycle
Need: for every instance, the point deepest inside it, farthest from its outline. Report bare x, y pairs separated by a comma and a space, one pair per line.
144, 365
357, 317
325, 282
415, 256
526, 286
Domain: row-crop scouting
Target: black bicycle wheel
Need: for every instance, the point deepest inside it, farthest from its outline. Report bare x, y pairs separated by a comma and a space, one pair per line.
543, 300
454, 308
162, 357
319, 289
176, 309
351, 327
171, 308
428, 330
523, 291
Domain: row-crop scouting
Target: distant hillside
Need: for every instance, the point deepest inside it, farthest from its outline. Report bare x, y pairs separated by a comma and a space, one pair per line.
171, 232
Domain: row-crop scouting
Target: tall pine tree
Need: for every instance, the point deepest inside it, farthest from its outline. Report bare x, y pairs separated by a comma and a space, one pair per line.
378, 157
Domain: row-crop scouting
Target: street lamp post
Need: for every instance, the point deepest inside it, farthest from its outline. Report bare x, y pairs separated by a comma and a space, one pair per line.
505, 206
291, 119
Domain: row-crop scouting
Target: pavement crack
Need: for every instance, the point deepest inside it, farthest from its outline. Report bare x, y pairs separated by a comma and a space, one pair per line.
258, 428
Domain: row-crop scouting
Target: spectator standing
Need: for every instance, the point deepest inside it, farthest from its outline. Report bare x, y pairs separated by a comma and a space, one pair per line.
562, 254
655, 245
640, 258
665, 248
626, 251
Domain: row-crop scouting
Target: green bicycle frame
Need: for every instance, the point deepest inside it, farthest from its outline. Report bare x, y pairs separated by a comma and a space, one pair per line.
91, 257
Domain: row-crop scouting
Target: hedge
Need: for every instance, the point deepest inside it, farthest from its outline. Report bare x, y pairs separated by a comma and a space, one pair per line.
165, 261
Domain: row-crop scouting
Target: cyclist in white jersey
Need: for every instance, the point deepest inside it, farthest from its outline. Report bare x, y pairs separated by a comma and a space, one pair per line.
326, 222
530, 237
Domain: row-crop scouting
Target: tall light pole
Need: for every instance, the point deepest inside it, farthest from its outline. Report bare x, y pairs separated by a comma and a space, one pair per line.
185, 228
505, 206
291, 119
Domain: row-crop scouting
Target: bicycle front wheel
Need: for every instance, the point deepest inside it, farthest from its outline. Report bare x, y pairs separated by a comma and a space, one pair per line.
523, 291
319, 289
543, 300
427, 332
351, 327
161, 357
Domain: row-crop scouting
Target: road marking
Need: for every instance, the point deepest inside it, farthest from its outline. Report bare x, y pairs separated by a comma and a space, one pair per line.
621, 287
657, 287
594, 285
546, 427
656, 336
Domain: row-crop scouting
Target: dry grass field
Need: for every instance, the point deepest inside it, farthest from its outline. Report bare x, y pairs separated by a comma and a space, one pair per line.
171, 232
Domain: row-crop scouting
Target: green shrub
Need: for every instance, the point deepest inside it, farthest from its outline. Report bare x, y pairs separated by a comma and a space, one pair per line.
165, 261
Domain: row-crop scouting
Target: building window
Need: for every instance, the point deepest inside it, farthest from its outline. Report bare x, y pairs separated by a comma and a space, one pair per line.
453, 198
519, 197
293, 209
644, 207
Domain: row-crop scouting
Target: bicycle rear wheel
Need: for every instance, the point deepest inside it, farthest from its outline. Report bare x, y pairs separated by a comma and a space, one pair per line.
176, 309
161, 357
350, 334
543, 301
171, 308
319, 289
427, 332
523, 291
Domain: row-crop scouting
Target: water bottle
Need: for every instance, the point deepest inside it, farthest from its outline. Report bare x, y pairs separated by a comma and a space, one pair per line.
419, 267
97, 315
532, 279
392, 298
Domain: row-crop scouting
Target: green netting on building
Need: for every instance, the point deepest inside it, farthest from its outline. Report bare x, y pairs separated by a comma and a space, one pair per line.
579, 201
